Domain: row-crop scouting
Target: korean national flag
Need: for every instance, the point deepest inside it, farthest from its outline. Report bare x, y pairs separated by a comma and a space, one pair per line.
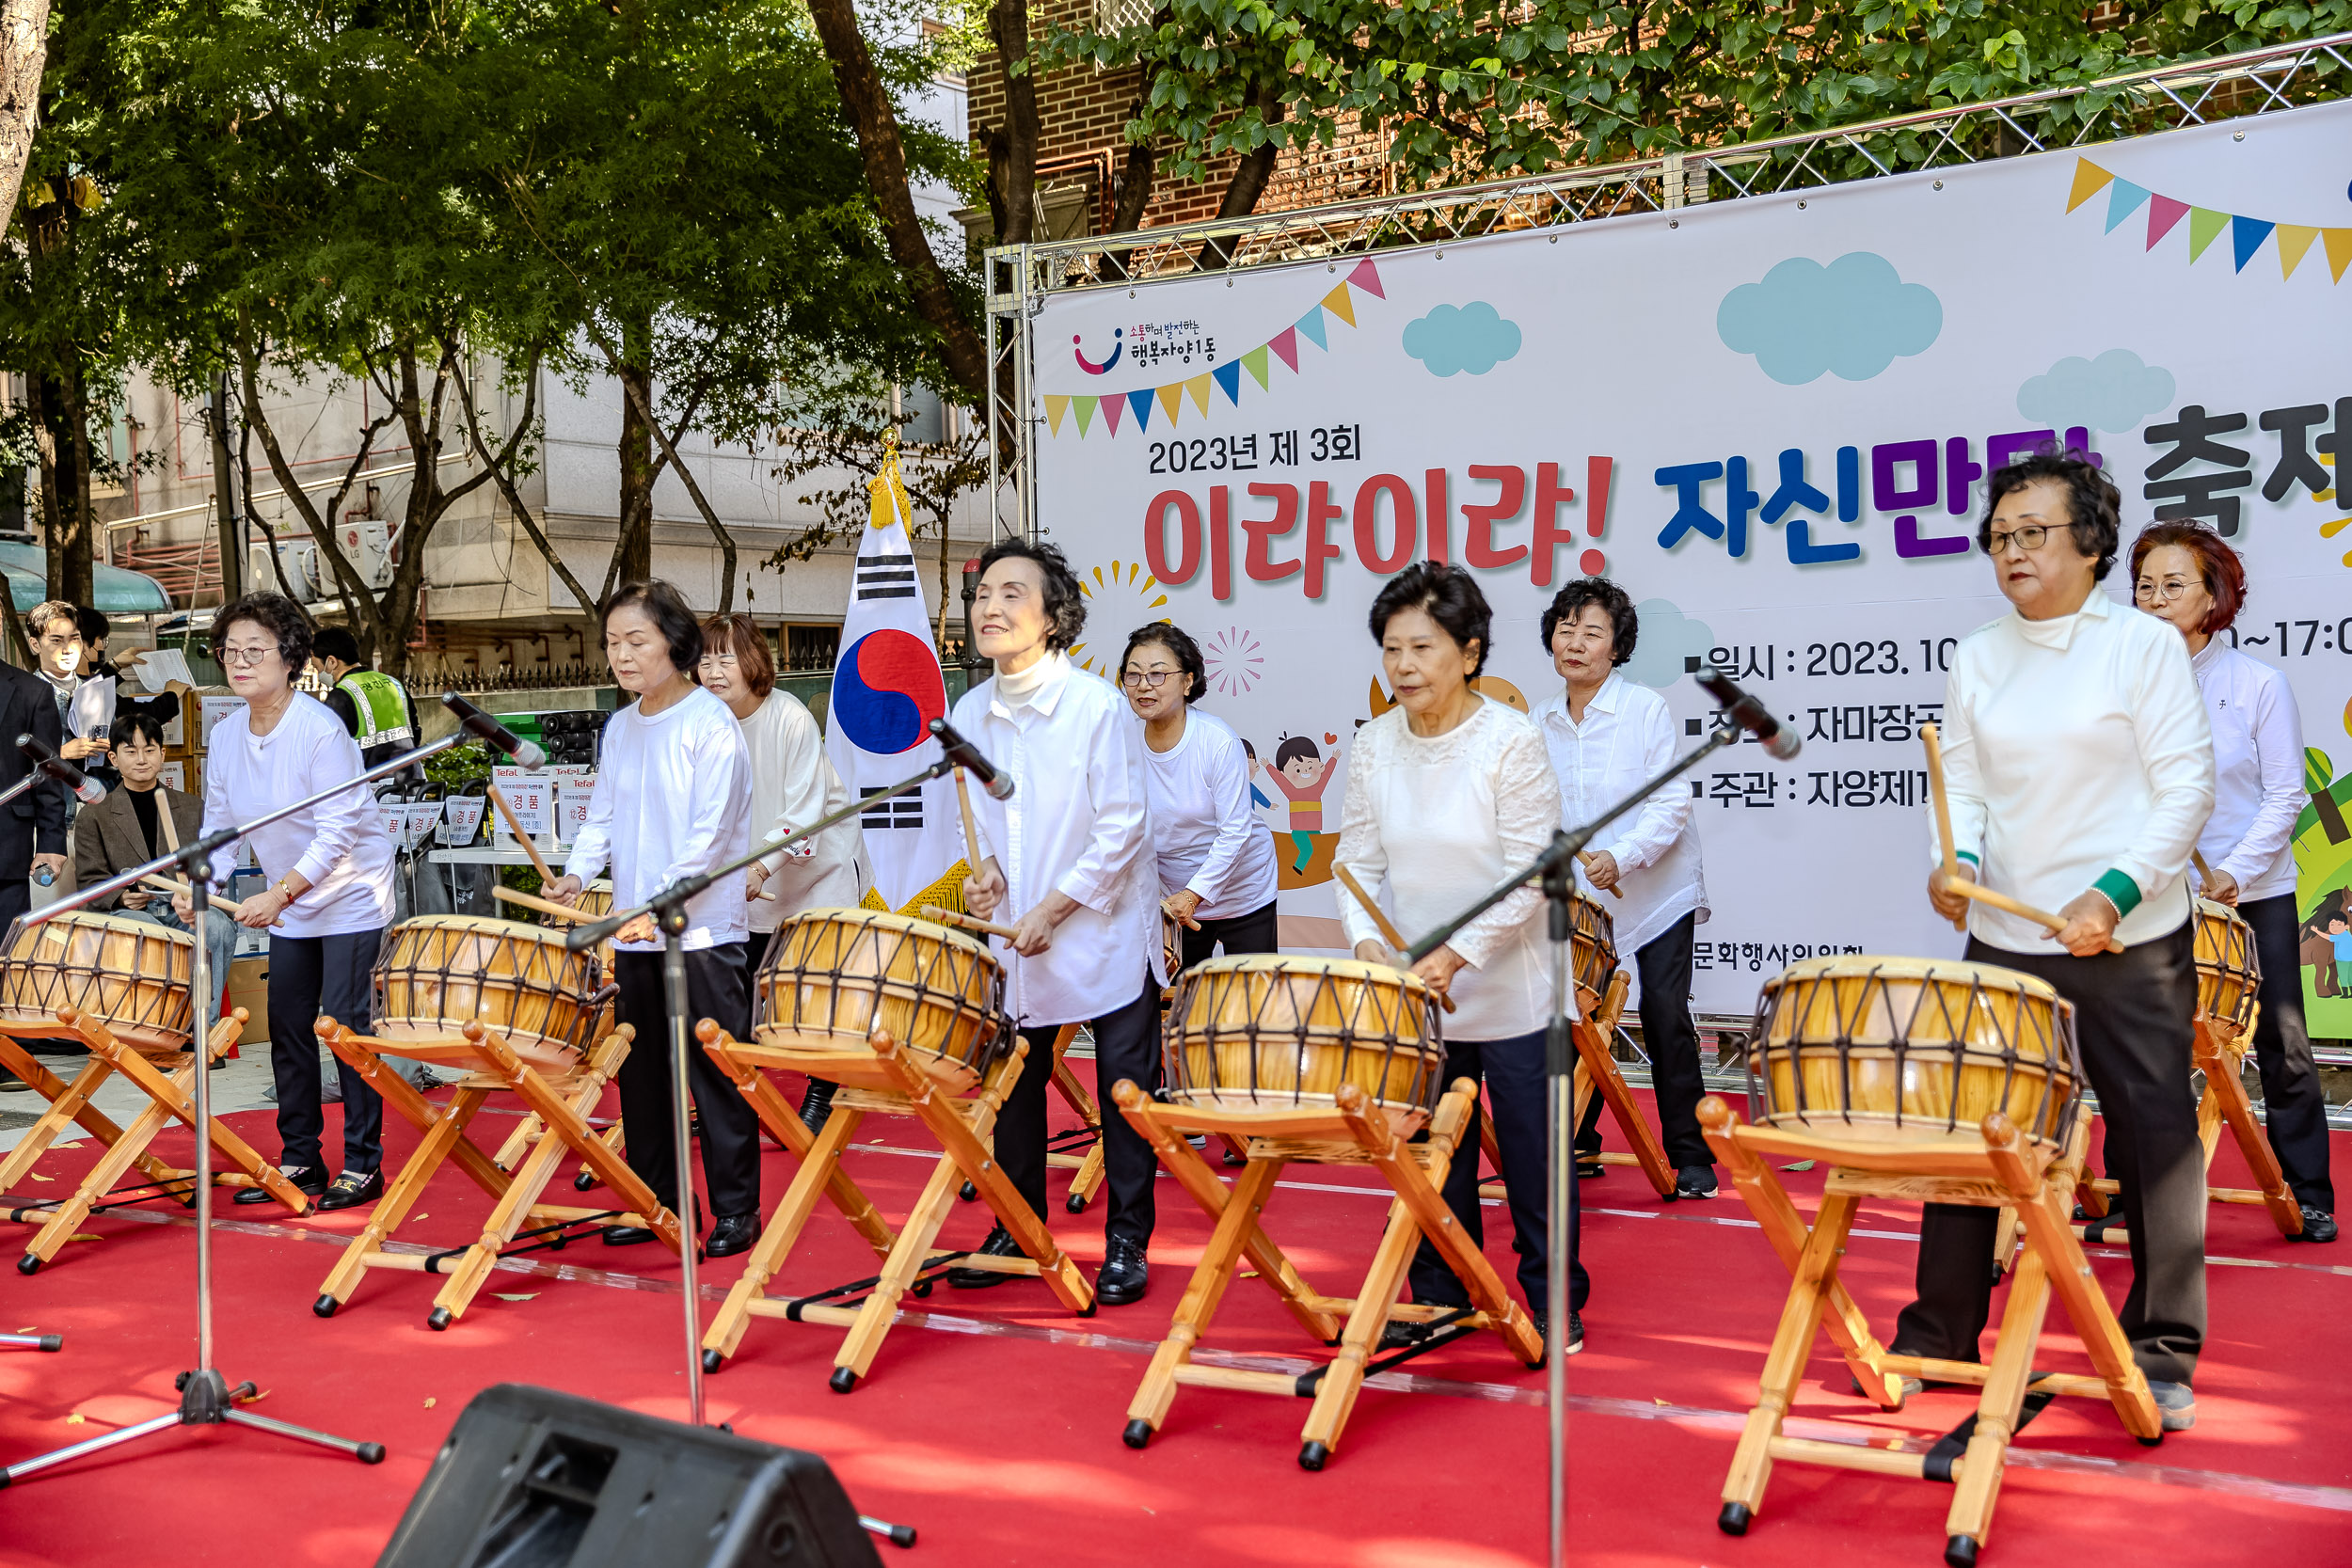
886, 690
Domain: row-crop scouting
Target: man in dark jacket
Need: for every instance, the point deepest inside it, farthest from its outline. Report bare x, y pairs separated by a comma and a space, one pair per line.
32, 826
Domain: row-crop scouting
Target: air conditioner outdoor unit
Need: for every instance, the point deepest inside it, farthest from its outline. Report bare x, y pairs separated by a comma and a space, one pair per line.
367, 544
300, 560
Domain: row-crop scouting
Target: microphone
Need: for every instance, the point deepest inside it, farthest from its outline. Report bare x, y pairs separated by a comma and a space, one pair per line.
87, 789
967, 756
497, 735
1750, 714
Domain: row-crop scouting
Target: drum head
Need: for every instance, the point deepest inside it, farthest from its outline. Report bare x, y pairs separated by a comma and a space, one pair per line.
1261, 1033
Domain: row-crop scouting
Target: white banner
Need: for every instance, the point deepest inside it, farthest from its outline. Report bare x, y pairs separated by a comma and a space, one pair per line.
1770, 422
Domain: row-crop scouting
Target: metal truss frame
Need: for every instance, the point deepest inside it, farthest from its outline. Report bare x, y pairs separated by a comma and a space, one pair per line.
1022, 277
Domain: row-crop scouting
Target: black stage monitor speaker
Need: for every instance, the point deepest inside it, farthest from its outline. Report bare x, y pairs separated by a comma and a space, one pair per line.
534, 1478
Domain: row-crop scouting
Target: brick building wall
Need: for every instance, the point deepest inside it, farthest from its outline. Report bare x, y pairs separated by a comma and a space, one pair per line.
1082, 147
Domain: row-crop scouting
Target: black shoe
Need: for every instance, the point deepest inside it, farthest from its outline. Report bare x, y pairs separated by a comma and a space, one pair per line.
309, 1179
354, 1187
1574, 1342
1124, 1277
1695, 1181
731, 1234
817, 1104
999, 1244
1588, 1167
627, 1235
1404, 1336
2318, 1225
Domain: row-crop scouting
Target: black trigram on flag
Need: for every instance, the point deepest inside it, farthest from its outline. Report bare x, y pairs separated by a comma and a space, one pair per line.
905, 811
885, 577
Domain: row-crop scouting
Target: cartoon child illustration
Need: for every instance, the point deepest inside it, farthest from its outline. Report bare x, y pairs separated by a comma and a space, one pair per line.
1258, 800
2338, 936
1301, 772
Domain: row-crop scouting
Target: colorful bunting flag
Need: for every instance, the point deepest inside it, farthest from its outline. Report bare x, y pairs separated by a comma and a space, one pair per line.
1336, 302
2207, 224
1310, 327
1254, 362
1285, 343
1198, 390
1139, 405
1228, 381
1055, 408
1086, 415
1171, 398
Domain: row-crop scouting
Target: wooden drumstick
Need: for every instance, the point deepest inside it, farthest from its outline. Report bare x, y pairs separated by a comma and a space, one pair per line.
1184, 920
1389, 933
2019, 906
969, 922
1585, 859
2204, 871
546, 877
1932, 739
215, 900
544, 906
971, 832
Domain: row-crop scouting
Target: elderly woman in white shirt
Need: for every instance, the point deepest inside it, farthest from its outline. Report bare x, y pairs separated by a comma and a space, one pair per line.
330, 889
673, 798
1216, 861
1067, 862
1606, 735
2188, 577
2079, 767
793, 783
1447, 793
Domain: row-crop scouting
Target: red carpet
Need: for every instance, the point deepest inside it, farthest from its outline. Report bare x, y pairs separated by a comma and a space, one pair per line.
991, 1419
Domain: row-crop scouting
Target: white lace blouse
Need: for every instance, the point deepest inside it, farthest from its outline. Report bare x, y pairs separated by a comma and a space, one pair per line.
1429, 825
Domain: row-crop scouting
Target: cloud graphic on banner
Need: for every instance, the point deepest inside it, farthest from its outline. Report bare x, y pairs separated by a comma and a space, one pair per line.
2114, 392
1473, 338
1852, 319
1667, 637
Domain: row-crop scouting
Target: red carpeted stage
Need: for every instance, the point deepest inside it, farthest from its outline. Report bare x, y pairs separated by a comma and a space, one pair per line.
991, 1420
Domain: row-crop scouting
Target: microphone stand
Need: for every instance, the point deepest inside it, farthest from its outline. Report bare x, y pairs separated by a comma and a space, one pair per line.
206, 1398
1555, 868
668, 907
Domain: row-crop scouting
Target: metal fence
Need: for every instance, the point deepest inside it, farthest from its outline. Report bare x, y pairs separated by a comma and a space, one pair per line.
1021, 277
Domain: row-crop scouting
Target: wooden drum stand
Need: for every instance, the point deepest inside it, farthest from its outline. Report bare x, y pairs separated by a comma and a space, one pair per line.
1596, 1071
560, 1101
887, 1080
2003, 1170
169, 1084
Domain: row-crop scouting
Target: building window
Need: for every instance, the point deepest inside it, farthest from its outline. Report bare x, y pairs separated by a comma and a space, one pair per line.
811, 647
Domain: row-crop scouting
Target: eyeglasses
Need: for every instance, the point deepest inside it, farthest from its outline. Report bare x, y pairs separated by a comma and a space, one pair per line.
1152, 678
720, 661
233, 654
2168, 590
2030, 537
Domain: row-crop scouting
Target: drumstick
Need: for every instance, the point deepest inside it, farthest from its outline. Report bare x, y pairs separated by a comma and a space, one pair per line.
1586, 858
215, 900
516, 829
2204, 871
1932, 739
2018, 907
969, 922
544, 906
1389, 933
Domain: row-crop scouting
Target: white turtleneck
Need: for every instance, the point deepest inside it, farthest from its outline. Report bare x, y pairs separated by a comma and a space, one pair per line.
1014, 691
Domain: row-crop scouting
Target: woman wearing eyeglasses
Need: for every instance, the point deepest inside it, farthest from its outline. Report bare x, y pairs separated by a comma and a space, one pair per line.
330, 889
1216, 861
793, 783
2079, 769
2186, 575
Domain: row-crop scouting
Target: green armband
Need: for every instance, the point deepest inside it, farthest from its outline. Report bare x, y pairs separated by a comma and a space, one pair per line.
2117, 890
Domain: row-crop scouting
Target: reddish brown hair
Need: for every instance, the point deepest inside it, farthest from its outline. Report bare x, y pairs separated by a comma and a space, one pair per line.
739, 635
2216, 562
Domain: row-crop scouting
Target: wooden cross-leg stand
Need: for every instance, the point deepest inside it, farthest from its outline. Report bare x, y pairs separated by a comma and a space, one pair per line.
959, 1111
560, 1105
1351, 1132
2001, 1169
2221, 1057
170, 1095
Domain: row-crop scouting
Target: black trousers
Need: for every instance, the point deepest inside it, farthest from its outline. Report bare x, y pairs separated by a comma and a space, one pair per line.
1672, 1040
1512, 1071
2134, 1018
730, 1139
1254, 932
1126, 1045
309, 976
16, 898
2294, 1105
754, 954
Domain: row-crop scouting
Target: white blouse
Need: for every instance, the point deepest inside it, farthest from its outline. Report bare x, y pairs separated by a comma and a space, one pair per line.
2076, 755
1207, 838
793, 783
1078, 822
673, 798
2258, 769
339, 845
1431, 824
1627, 736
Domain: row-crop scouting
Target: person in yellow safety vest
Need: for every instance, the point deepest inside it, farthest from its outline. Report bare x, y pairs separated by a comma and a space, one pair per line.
376, 710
